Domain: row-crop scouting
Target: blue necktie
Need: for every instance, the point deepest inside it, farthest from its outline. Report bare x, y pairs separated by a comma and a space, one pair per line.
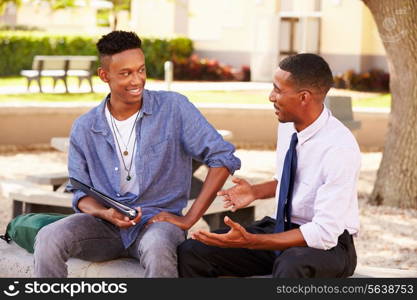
283, 220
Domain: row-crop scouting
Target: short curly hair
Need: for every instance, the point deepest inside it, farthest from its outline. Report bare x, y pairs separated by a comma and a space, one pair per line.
308, 70
116, 42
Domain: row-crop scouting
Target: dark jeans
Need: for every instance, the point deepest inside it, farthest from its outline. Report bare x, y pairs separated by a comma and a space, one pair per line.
196, 259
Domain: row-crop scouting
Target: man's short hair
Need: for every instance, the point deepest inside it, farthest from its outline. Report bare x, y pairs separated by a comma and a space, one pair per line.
308, 71
116, 42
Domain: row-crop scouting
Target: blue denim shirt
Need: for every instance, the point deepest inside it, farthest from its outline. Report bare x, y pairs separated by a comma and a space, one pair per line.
170, 133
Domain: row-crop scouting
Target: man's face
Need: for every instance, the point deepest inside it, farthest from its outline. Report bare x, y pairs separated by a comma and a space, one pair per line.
125, 73
285, 97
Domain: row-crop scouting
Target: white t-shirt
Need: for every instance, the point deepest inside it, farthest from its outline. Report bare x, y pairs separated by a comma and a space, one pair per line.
324, 199
125, 127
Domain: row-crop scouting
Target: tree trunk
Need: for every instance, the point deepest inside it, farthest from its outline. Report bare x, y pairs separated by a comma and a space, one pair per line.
396, 182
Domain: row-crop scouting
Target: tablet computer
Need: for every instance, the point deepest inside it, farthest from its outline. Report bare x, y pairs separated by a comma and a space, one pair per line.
104, 199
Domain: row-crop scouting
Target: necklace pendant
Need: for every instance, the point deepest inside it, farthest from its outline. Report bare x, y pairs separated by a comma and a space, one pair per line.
125, 153
128, 178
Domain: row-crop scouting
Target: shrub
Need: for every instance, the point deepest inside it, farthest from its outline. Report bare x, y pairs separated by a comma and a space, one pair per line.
158, 51
195, 68
374, 80
243, 74
17, 49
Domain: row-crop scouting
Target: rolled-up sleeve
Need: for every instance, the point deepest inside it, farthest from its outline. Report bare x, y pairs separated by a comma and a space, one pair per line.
333, 198
77, 167
202, 141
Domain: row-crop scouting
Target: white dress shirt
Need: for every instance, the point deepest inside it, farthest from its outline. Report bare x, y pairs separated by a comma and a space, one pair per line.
325, 189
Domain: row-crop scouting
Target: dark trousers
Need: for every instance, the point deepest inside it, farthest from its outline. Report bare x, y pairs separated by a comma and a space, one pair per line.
196, 259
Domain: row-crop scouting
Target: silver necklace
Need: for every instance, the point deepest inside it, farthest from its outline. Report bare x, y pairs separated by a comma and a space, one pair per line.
113, 124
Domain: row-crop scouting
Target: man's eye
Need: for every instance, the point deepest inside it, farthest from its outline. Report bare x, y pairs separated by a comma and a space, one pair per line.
125, 74
142, 70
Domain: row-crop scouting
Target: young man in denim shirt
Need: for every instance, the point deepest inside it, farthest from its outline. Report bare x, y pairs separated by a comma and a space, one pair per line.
137, 147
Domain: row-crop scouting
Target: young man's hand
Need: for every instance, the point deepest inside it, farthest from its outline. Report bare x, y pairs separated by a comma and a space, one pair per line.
181, 222
238, 196
120, 220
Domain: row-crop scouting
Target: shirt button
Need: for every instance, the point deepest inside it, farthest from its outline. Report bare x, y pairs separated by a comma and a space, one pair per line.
116, 169
118, 195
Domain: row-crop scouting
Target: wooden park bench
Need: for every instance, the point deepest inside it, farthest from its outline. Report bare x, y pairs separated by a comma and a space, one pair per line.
59, 67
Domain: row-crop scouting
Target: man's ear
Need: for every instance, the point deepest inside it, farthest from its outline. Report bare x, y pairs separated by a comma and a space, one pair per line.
306, 97
102, 74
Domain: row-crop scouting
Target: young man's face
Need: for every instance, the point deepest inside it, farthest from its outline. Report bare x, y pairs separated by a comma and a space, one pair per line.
125, 73
285, 98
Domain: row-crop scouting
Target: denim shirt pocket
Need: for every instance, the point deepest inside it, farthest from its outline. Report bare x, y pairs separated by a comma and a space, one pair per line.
158, 161
159, 147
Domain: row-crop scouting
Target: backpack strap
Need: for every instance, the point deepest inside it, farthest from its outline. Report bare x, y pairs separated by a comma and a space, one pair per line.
6, 237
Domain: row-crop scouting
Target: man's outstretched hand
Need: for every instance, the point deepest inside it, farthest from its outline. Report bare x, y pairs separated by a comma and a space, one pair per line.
237, 237
238, 196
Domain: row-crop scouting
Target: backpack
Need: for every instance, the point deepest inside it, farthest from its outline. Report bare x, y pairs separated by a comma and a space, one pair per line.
24, 228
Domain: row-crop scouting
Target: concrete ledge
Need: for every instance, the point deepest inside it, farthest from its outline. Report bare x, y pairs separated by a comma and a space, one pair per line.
17, 262
251, 125
371, 136
375, 272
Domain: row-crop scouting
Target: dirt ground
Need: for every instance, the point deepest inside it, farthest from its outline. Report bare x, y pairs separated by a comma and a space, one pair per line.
387, 237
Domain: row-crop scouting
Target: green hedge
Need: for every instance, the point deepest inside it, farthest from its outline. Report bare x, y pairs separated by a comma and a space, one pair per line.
158, 51
17, 49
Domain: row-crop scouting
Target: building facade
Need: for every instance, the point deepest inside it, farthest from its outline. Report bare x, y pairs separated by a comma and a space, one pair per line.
259, 33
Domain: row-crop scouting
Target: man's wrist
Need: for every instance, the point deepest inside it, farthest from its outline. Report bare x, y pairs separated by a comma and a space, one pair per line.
252, 240
264, 190
256, 192
188, 221
100, 213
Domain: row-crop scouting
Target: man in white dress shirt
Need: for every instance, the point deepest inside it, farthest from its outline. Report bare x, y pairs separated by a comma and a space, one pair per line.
323, 210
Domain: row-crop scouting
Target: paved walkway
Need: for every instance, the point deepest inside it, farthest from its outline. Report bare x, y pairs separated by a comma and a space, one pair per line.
151, 85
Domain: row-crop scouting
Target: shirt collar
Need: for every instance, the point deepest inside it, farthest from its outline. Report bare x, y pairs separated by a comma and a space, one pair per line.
147, 102
305, 134
100, 124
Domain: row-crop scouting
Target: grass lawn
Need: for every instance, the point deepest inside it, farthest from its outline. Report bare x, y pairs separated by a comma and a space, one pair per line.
234, 97
21, 81
11, 81
380, 101
250, 97
47, 82
49, 97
